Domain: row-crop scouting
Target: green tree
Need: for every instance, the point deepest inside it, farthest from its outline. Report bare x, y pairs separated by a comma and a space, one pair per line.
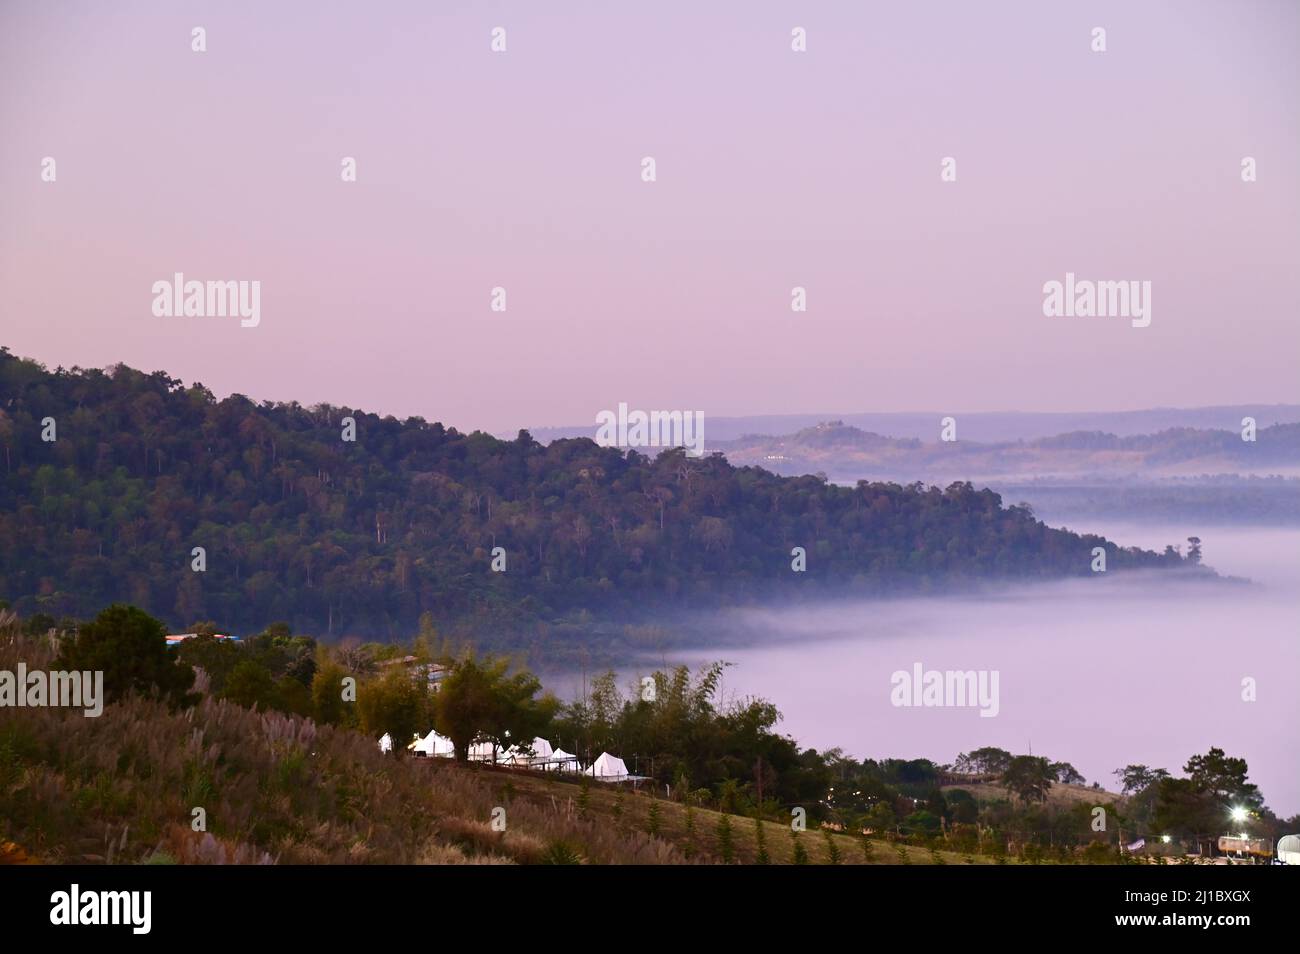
761, 857
799, 853
130, 647
1223, 778
292, 696
395, 704
328, 705
1187, 812
988, 760
1028, 777
216, 657
868, 850
1135, 778
963, 806
481, 699
1199, 806
832, 849
250, 686
1065, 773
726, 846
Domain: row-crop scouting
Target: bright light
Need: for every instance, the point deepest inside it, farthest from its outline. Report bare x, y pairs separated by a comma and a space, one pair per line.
1239, 814
1166, 839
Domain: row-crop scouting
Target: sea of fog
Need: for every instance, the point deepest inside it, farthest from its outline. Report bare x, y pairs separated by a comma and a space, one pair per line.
1100, 672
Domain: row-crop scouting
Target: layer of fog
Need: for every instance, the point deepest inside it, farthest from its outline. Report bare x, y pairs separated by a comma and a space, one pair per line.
1098, 672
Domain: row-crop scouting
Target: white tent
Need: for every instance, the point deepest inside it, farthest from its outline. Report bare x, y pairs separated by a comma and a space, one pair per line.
608, 767
541, 750
386, 743
1288, 850
562, 761
434, 745
535, 755
482, 752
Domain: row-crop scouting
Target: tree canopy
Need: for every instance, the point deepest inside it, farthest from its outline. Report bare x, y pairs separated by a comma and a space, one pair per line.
336, 536
130, 648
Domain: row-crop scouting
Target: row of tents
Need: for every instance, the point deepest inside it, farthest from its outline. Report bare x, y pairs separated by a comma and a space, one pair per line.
538, 756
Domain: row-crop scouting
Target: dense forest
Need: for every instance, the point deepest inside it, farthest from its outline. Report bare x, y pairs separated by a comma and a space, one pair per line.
111, 478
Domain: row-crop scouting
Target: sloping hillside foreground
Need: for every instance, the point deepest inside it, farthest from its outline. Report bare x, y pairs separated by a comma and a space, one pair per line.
134, 784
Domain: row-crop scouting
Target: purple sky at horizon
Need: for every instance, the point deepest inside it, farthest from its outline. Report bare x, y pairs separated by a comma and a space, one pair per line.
775, 169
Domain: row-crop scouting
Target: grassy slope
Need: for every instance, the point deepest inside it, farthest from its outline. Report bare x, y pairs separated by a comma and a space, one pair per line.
633, 815
123, 787
1060, 796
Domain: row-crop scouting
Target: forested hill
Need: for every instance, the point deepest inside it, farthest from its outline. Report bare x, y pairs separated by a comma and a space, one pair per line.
361, 537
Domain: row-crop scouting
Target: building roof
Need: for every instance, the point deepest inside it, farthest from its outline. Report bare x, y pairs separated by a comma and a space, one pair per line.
181, 637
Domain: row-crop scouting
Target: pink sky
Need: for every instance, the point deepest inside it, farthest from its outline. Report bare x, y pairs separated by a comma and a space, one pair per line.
775, 169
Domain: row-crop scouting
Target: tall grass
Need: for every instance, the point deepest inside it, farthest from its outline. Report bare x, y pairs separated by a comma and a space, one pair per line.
272, 788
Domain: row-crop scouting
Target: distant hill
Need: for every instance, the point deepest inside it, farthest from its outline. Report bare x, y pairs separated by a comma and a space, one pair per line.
847, 453
335, 536
995, 426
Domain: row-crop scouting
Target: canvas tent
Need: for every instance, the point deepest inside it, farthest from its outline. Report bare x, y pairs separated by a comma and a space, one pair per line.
562, 761
521, 757
1288, 850
608, 768
541, 750
482, 752
386, 743
535, 755
434, 745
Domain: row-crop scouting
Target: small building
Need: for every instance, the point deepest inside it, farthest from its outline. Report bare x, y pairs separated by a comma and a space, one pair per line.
1241, 845
434, 673
179, 638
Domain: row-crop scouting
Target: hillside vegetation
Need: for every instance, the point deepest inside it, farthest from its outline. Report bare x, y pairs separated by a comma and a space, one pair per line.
219, 783
363, 536
263, 752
